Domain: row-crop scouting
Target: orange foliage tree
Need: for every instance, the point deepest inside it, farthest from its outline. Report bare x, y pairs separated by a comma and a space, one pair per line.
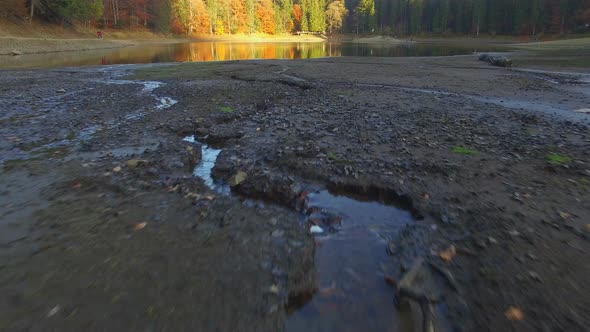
266, 15
297, 17
238, 12
200, 21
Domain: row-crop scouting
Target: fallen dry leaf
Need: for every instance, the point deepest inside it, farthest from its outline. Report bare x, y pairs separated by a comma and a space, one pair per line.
448, 254
514, 314
564, 215
274, 289
426, 197
117, 169
587, 227
390, 281
139, 226
174, 189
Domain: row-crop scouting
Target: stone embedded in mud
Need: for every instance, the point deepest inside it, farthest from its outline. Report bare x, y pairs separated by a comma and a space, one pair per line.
496, 60
238, 178
134, 163
316, 229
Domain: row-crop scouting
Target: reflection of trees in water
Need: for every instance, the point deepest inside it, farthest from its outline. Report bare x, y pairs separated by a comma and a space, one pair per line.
197, 52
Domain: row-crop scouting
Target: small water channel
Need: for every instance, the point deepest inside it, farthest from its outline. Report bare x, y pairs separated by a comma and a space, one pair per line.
351, 259
223, 51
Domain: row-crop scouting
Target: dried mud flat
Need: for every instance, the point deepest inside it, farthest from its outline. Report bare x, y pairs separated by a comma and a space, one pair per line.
104, 226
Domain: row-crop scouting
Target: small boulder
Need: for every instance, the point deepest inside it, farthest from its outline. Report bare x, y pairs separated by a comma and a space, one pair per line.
496, 60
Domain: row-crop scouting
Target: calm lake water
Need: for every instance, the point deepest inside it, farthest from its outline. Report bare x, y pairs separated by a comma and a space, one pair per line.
222, 51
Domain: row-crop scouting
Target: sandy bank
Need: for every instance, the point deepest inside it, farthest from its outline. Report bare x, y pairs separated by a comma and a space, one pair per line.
43, 45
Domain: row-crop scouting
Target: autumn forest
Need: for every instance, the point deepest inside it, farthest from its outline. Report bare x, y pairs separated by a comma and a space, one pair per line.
392, 17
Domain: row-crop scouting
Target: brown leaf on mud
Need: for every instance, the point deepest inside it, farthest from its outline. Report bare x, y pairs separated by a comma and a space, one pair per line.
274, 289
514, 314
390, 281
76, 185
587, 227
564, 215
238, 178
448, 254
330, 290
174, 189
139, 226
426, 197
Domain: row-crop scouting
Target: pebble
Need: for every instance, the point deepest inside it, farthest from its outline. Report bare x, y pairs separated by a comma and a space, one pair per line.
534, 275
277, 233
53, 311
514, 232
316, 229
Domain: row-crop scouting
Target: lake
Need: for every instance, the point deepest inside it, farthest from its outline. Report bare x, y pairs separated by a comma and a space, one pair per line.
223, 51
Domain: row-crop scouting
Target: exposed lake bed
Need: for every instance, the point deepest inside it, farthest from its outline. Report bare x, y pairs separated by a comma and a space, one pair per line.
137, 238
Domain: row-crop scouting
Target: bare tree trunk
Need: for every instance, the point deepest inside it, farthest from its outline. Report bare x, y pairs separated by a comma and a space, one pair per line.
117, 10
114, 12
562, 28
32, 11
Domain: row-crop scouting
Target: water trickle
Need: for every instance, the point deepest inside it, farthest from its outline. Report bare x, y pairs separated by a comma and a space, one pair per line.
351, 259
204, 168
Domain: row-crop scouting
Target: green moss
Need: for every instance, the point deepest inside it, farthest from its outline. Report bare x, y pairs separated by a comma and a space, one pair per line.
557, 159
464, 151
331, 155
226, 109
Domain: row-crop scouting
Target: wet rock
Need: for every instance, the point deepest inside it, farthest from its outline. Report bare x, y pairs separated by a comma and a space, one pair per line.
496, 60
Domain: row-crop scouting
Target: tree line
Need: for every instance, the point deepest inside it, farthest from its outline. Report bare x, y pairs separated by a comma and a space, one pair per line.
394, 17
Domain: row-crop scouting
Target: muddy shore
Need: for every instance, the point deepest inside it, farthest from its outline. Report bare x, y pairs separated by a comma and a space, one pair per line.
104, 225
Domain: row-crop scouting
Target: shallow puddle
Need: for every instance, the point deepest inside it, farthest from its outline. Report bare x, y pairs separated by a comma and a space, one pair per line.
351, 261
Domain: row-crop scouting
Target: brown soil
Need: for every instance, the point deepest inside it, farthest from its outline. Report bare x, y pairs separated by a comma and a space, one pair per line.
493, 161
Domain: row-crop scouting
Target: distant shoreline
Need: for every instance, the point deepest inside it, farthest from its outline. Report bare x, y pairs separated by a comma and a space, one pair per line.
10, 46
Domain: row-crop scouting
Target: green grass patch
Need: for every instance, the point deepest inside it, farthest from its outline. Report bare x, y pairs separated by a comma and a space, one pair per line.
332, 156
464, 151
558, 160
226, 109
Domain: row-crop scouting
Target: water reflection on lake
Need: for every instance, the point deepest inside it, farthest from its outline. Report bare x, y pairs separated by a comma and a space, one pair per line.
222, 51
